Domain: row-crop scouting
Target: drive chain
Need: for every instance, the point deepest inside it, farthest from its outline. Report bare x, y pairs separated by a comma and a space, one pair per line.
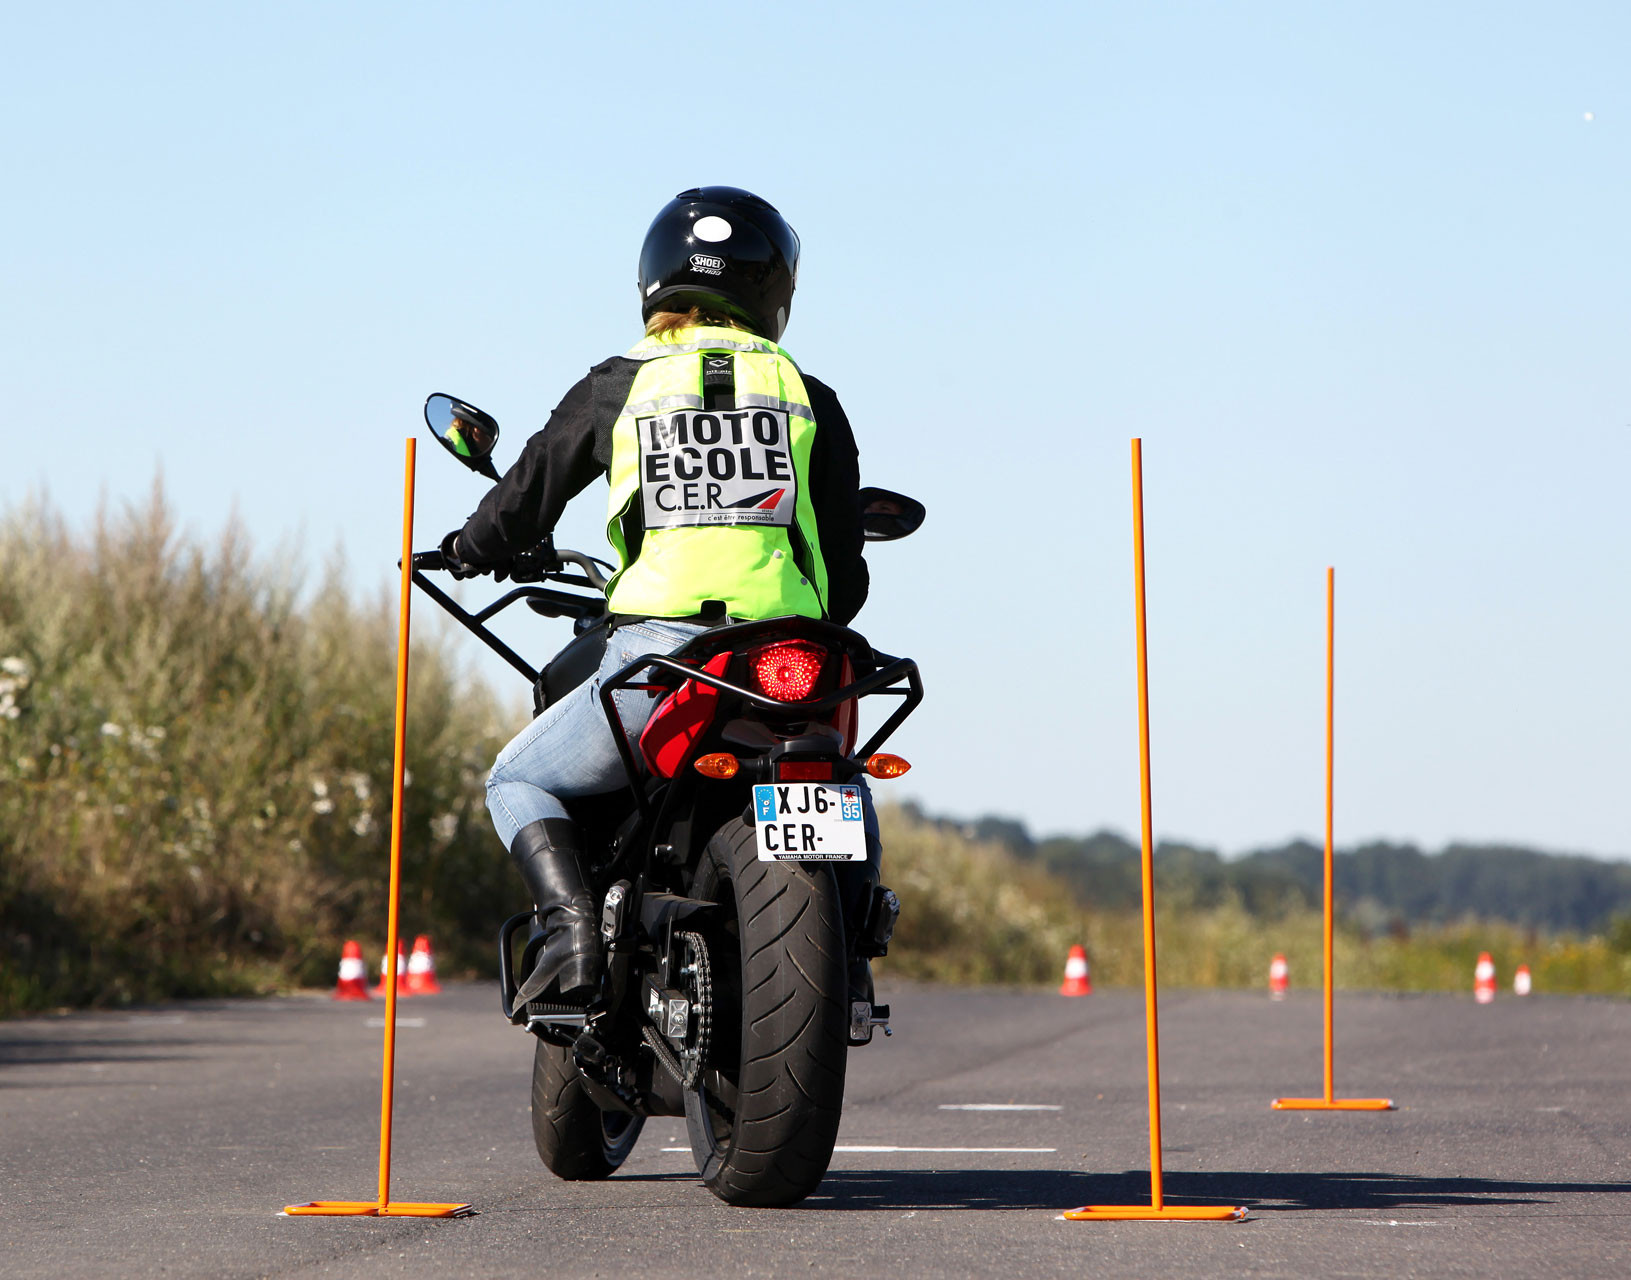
702, 1000
686, 1067
663, 1053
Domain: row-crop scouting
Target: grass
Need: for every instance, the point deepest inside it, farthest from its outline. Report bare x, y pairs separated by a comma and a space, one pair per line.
195, 762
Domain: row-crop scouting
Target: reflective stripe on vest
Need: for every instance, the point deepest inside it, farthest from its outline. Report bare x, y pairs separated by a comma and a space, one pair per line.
713, 340
723, 497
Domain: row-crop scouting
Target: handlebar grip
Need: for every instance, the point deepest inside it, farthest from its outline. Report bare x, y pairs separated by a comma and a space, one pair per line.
428, 560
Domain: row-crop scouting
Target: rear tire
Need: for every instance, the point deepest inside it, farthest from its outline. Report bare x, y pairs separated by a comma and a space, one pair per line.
576, 1140
764, 1117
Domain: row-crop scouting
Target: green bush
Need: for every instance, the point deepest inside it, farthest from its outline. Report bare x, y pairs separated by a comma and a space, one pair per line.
195, 769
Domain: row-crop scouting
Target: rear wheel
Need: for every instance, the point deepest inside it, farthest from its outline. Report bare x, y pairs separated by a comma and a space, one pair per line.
576, 1140
763, 1117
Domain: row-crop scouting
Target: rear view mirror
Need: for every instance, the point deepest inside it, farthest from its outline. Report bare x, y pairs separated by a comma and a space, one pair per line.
886, 516
464, 431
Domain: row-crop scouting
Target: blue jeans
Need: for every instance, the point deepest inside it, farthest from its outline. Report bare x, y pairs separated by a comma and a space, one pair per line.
569, 751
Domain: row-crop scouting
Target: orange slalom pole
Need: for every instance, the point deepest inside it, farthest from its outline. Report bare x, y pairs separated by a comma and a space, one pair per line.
1152, 1033
387, 1090
1157, 1209
383, 1207
1330, 851
1330, 1102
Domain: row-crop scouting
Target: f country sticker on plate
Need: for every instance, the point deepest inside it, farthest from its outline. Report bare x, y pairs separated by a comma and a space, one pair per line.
809, 822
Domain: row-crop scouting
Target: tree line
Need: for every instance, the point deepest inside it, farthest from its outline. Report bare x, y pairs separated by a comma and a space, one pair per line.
1380, 885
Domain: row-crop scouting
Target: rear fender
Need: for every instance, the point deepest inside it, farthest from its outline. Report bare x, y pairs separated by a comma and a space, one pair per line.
680, 719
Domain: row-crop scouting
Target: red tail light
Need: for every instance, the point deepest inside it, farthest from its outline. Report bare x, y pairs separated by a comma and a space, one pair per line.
787, 671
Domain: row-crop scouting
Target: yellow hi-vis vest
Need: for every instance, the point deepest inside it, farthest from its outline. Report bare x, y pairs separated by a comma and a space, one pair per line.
723, 497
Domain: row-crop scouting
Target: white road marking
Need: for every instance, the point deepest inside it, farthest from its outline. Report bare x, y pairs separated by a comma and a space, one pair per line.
401, 1022
928, 1150
999, 1106
1394, 1222
971, 1150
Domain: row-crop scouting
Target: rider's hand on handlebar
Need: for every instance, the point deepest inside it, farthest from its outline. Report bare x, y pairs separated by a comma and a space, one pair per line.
459, 569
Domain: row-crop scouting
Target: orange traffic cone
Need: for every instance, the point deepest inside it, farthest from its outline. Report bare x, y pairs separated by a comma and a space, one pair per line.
422, 969
401, 971
1483, 979
1522, 983
353, 983
1078, 982
1279, 976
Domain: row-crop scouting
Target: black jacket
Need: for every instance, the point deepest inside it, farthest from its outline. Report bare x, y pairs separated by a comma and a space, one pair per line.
575, 448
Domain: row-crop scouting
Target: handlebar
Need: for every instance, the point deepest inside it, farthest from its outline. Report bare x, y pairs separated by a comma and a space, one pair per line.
589, 565
536, 564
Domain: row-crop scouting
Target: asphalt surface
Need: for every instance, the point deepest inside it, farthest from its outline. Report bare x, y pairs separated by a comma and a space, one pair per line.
165, 1142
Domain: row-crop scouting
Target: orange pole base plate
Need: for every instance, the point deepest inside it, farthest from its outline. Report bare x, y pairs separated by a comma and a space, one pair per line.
1333, 1104
374, 1209
1149, 1213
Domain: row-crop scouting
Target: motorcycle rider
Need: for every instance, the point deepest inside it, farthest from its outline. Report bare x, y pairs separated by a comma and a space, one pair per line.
734, 495
469, 439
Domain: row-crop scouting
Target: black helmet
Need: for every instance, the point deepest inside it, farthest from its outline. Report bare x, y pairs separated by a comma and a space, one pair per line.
725, 249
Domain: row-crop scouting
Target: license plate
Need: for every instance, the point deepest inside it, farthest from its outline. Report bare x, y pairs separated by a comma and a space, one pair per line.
809, 822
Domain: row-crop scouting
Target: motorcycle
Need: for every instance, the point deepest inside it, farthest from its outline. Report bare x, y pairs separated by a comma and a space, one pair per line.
737, 883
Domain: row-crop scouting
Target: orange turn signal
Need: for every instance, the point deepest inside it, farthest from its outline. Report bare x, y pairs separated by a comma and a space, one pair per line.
720, 764
884, 765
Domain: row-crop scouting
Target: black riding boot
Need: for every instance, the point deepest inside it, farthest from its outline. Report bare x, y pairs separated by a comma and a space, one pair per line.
549, 855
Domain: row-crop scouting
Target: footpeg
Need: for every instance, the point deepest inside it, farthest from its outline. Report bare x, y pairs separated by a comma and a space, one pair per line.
544, 1013
557, 1023
863, 1017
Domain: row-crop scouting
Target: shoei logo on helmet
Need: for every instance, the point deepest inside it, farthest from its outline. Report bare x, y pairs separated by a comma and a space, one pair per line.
707, 264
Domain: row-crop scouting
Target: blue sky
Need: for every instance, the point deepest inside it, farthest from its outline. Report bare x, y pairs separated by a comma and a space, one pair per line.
1357, 274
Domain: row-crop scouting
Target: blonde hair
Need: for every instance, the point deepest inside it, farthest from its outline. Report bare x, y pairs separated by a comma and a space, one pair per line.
663, 323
